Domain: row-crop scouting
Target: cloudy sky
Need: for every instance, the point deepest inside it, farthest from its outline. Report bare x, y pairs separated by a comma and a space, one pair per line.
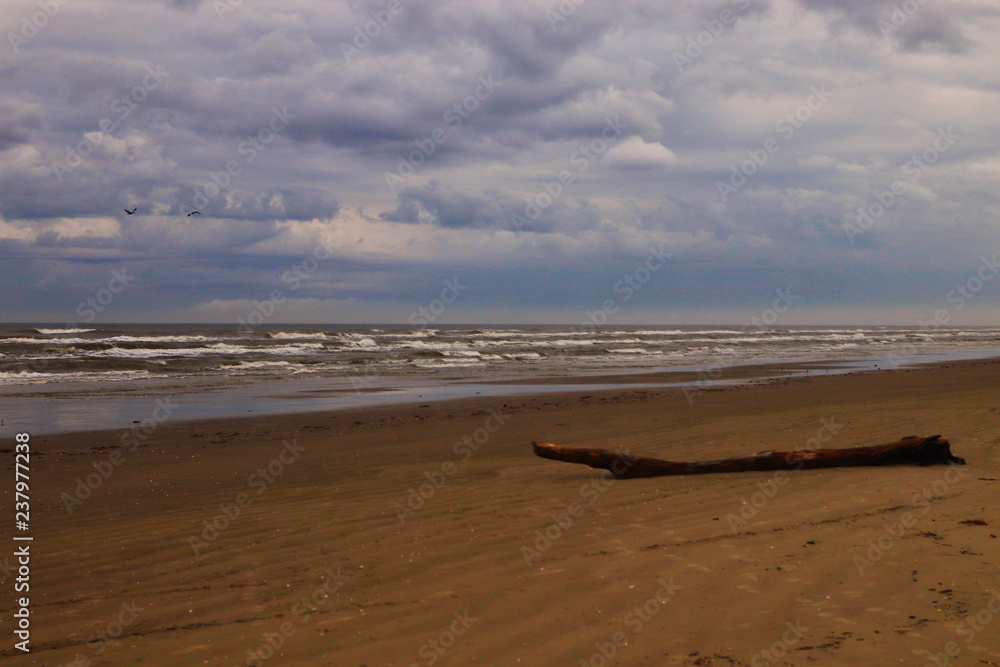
348, 158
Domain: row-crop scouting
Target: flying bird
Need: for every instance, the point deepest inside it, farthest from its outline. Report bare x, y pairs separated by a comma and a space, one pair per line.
193, 213
134, 209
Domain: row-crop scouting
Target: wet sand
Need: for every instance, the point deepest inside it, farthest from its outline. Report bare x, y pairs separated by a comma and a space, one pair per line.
430, 534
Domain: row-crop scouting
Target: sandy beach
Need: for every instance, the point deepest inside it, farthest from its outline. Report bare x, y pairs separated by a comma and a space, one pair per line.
310, 312
430, 534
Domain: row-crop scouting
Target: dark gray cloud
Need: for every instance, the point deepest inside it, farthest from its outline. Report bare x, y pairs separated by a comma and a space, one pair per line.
914, 25
494, 139
269, 204
19, 120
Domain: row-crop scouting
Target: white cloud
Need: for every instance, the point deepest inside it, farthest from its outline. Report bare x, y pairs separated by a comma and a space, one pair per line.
634, 152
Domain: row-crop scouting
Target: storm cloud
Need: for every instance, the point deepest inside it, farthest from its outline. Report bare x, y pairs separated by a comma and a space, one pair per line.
539, 150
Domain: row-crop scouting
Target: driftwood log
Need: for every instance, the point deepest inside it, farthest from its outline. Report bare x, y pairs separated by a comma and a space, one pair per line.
912, 450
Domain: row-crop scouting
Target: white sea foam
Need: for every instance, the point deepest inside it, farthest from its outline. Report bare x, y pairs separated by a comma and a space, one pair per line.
557, 350
680, 332
361, 342
113, 339
297, 348
428, 345
152, 352
418, 333
156, 339
55, 332
43, 341
292, 335
216, 348
32, 377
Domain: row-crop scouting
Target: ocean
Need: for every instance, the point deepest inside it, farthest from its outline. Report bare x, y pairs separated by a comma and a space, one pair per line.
111, 353
46, 370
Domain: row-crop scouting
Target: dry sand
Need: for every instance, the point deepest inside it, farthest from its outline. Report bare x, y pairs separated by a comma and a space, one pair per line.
651, 571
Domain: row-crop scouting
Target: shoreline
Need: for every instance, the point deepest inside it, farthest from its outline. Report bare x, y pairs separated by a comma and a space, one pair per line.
398, 518
68, 408
616, 389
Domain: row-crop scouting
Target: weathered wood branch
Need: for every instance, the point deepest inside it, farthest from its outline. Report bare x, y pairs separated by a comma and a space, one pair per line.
910, 450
